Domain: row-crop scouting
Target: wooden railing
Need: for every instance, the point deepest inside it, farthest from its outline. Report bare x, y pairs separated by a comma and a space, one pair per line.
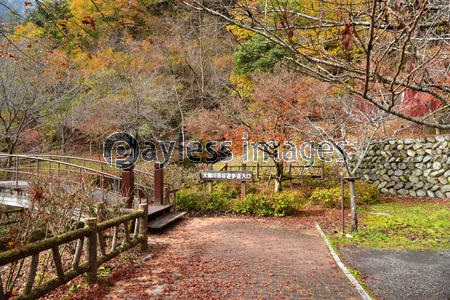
20, 167
103, 166
91, 238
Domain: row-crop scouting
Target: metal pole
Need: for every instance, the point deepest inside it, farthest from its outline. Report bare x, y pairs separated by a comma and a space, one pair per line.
243, 184
102, 179
17, 171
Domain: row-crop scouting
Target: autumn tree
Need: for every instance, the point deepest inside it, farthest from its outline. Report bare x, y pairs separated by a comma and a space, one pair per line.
22, 99
270, 118
349, 128
376, 50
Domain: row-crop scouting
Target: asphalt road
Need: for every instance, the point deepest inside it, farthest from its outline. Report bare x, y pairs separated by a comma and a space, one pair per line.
402, 274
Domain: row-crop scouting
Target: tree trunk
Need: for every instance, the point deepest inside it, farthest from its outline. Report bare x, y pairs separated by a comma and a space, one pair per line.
63, 142
279, 178
354, 227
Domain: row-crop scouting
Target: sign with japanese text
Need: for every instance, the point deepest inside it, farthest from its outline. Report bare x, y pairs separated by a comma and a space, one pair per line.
226, 175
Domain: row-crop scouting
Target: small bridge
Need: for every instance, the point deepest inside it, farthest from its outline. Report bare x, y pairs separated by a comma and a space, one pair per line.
113, 185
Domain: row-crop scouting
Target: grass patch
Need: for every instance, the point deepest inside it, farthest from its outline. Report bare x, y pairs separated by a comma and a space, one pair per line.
408, 226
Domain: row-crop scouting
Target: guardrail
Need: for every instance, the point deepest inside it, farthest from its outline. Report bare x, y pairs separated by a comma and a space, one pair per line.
103, 166
21, 166
90, 237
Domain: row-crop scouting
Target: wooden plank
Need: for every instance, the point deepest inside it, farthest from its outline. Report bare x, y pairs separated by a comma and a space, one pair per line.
58, 263
158, 208
31, 274
167, 219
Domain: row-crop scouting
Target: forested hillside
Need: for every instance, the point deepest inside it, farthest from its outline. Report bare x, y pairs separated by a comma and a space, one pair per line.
73, 72
83, 69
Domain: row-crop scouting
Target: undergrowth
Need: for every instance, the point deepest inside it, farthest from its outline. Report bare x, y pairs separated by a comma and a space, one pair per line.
405, 226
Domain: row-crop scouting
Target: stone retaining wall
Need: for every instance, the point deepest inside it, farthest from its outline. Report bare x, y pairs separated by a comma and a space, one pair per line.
417, 167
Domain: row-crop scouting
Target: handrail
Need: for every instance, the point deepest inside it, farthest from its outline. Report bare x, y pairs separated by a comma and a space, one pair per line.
92, 237
87, 159
58, 162
16, 171
18, 167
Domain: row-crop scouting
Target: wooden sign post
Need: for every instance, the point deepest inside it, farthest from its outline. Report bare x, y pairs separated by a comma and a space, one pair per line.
241, 176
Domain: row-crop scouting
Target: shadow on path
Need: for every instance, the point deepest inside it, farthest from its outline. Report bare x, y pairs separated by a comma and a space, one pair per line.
402, 274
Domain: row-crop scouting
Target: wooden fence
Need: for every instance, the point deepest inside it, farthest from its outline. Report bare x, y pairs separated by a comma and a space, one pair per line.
91, 238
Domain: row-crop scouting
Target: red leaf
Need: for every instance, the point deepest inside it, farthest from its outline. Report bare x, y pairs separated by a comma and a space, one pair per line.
398, 4
290, 34
347, 36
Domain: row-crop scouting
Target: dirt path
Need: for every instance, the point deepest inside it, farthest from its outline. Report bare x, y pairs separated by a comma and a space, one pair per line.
235, 258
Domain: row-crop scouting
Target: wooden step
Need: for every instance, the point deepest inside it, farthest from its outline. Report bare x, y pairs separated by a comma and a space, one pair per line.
155, 211
165, 220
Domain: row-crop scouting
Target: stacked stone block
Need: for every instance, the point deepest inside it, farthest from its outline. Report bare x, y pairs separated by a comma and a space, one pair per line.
417, 167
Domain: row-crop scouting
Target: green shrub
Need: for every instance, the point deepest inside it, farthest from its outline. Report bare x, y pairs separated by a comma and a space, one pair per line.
285, 202
219, 201
328, 197
188, 200
279, 204
197, 200
234, 187
365, 194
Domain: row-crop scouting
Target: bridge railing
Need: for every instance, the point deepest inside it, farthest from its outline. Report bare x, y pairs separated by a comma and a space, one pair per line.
89, 240
20, 167
143, 180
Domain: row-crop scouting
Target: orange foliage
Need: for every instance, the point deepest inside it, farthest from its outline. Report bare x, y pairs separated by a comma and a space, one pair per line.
280, 107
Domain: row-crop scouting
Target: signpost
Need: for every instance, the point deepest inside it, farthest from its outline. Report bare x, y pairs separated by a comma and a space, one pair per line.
226, 175
241, 176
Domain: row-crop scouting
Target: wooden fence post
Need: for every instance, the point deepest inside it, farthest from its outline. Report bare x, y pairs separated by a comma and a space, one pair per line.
91, 251
100, 212
158, 193
31, 274
323, 171
128, 185
257, 170
244, 166
290, 174
209, 182
143, 227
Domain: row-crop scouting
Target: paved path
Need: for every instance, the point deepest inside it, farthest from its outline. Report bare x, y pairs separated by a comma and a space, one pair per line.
237, 258
412, 275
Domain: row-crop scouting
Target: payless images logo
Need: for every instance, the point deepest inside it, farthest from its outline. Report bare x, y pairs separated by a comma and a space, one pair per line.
127, 143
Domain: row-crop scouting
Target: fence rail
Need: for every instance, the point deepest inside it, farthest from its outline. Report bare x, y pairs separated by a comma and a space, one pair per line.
91, 238
103, 167
21, 166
